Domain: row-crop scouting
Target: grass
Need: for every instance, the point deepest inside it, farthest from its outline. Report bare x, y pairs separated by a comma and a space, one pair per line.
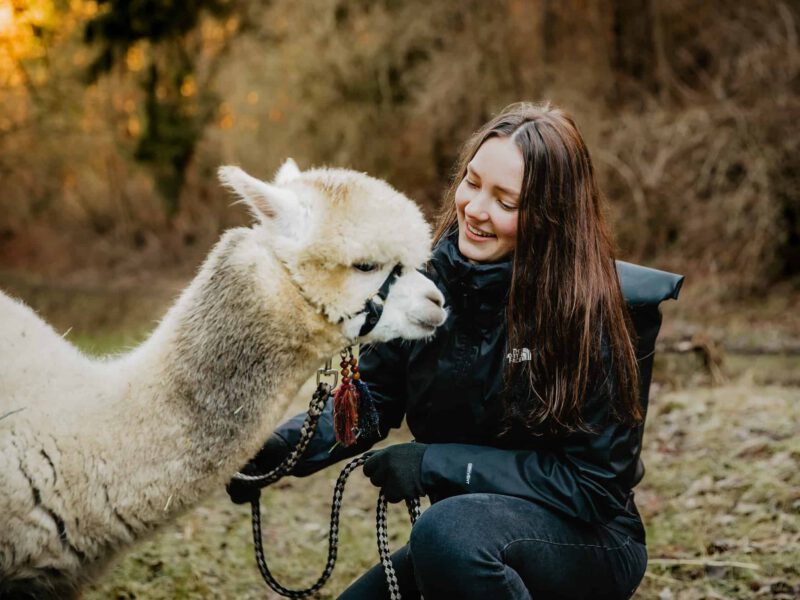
723, 487
721, 502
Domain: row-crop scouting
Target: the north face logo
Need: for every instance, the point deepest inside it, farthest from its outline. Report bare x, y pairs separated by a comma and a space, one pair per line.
517, 355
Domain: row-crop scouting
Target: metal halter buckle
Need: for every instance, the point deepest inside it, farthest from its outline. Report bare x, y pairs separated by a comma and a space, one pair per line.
327, 371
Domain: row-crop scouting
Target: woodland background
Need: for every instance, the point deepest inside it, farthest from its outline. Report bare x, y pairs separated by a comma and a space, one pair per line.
114, 115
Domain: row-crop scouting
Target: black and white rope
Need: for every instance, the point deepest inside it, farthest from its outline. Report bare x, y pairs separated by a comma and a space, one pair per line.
306, 433
383, 541
333, 538
315, 409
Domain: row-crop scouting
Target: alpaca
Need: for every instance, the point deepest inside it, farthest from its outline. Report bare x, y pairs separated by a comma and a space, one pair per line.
96, 454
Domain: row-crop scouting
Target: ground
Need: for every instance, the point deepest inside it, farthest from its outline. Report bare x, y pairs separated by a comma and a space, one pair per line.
720, 500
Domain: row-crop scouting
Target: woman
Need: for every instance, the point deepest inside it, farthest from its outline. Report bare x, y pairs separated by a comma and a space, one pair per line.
525, 405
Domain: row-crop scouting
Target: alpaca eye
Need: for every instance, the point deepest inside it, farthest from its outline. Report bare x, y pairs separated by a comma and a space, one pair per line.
365, 267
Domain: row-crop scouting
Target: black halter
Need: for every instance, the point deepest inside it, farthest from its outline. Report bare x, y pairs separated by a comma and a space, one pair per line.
372, 309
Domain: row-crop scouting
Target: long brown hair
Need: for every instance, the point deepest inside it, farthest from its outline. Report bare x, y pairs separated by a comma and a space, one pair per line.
565, 301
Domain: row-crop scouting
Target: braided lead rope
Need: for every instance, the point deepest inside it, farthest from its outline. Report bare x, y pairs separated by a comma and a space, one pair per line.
333, 538
383, 541
315, 409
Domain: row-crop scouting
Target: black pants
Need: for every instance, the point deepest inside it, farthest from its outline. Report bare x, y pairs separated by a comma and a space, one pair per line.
493, 547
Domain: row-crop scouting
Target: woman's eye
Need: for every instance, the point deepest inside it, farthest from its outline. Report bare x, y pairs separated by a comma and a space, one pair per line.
472, 184
507, 206
365, 267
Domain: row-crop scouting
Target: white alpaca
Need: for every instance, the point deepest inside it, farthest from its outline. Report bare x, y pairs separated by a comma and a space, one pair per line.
95, 454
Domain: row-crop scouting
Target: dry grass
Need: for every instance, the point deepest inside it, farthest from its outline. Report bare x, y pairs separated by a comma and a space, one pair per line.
723, 486
721, 501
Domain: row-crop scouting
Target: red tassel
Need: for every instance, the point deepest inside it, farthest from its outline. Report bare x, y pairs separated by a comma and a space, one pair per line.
345, 413
346, 401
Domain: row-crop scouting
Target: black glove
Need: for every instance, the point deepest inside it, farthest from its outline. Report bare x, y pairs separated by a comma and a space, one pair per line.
397, 470
272, 453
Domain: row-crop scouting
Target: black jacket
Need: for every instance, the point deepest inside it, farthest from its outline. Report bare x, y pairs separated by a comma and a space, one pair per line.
448, 387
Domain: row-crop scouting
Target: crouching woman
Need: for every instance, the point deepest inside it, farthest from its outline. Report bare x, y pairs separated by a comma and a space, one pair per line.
525, 405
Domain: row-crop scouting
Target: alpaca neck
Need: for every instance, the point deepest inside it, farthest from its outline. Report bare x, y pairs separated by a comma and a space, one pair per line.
229, 358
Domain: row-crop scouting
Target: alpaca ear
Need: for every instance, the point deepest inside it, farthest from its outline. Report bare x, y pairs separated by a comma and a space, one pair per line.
288, 172
268, 202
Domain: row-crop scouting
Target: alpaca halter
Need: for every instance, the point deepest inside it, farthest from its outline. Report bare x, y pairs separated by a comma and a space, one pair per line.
354, 413
373, 310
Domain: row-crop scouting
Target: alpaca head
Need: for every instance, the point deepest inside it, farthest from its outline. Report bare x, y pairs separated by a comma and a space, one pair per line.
340, 233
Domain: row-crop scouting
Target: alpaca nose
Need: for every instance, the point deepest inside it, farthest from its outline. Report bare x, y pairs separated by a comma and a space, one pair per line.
435, 297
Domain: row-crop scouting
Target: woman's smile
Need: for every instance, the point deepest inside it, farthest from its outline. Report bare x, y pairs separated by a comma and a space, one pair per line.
477, 234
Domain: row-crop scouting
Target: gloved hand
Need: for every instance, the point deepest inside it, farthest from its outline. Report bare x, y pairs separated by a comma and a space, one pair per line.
272, 453
397, 470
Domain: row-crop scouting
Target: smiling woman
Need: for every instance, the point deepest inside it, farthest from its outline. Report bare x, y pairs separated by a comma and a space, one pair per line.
525, 404
525, 190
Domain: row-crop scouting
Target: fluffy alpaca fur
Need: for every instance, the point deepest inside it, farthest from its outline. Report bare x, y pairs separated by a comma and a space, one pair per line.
95, 454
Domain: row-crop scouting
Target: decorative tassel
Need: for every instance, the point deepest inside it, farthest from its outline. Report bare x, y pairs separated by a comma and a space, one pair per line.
354, 413
367, 413
345, 413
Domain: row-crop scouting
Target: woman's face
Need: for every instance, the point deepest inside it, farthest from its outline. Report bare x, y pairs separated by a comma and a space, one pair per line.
487, 201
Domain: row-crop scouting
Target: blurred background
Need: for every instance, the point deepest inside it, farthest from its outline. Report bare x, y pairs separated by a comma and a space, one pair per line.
116, 113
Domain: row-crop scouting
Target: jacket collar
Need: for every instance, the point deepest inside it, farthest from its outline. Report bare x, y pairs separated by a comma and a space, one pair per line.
486, 285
